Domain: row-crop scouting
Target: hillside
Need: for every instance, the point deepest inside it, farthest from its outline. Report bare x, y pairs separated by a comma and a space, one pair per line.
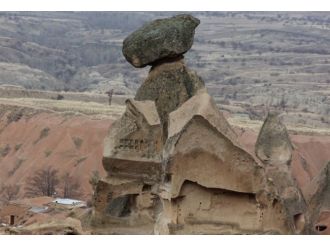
248, 60
261, 155
66, 135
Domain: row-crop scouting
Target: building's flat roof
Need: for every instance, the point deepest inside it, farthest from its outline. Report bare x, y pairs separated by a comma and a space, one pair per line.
67, 201
38, 209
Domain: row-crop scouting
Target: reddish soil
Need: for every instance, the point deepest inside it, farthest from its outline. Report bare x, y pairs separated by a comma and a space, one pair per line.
29, 152
311, 153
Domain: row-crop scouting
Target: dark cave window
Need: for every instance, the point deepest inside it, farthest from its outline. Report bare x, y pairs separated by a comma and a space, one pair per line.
168, 178
146, 187
121, 206
320, 228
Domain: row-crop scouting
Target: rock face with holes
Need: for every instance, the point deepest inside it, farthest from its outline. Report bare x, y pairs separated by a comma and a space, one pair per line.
174, 163
317, 194
132, 158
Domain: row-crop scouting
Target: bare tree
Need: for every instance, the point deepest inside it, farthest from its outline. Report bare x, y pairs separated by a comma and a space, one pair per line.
43, 183
94, 179
283, 103
110, 93
10, 192
71, 187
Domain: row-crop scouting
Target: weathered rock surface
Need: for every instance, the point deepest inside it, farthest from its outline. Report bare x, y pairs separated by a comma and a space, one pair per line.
273, 144
169, 85
132, 158
193, 177
275, 149
211, 184
163, 38
199, 134
68, 226
317, 194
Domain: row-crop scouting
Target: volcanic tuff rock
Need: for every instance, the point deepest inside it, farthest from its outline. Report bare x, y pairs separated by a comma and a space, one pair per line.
273, 144
175, 165
275, 149
169, 85
163, 38
318, 197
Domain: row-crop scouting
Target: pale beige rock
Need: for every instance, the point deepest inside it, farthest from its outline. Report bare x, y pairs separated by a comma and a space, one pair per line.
133, 146
200, 138
193, 177
275, 149
211, 184
317, 194
132, 158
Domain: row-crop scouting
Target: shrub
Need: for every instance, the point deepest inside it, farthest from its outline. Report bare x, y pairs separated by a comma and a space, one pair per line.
5, 150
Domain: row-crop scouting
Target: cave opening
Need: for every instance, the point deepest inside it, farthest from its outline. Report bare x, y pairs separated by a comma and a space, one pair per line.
320, 228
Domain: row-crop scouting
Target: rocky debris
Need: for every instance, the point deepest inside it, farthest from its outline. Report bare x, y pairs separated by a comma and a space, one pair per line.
273, 144
68, 226
175, 164
163, 38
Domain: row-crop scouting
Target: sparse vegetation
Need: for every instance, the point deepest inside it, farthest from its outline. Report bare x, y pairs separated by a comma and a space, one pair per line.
43, 133
60, 97
18, 146
17, 165
4, 151
77, 141
74, 107
47, 153
14, 116
71, 187
9, 192
44, 183
80, 160
94, 179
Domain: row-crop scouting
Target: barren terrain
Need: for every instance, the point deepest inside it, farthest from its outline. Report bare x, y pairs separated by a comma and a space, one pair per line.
68, 135
250, 61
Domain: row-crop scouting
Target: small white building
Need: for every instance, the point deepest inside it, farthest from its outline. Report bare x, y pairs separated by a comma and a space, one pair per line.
69, 202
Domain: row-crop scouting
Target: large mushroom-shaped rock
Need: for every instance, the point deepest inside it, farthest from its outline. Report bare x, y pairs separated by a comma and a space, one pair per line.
273, 145
163, 38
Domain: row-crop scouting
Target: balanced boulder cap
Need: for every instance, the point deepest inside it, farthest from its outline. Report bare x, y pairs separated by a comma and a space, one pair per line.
159, 39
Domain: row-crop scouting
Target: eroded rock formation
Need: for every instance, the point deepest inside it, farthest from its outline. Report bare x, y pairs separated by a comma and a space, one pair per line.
163, 38
317, 194
274, 149
174, 163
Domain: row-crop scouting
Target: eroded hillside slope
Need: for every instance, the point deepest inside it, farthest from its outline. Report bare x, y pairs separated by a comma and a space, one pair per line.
32, 138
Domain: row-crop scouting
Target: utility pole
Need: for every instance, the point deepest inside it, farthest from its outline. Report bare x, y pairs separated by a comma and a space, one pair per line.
110, 93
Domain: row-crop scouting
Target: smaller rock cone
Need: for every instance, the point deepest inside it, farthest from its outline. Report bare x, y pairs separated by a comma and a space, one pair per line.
273, 145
